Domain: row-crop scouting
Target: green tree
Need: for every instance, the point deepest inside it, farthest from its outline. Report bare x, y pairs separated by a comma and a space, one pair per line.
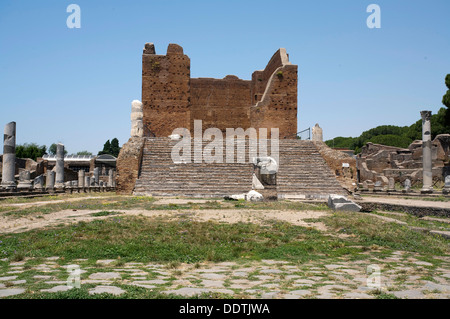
391, 140
106, 148
111, 148
115, 148
31, 150
439, 125
446, 97
342, 142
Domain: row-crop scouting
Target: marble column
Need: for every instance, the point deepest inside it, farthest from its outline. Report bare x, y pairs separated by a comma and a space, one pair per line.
87, 181
426, 152
111, 178
391, 185
50, 183
96, 176
24, 181
81, 176
59, 181
9, 157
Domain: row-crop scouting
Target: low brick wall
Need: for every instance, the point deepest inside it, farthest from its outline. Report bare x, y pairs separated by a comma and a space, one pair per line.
413, 210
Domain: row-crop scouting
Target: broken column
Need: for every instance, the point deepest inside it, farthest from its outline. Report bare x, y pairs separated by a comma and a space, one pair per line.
426, 152
137, 115
446, 189
59, 180
96, 177
81, 176
391, 185
50, 183
87, 181
24, 181
111, 178
9, 157
39, 183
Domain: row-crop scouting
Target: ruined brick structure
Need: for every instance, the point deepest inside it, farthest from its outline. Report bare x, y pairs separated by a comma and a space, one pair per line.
172, 99
380, 162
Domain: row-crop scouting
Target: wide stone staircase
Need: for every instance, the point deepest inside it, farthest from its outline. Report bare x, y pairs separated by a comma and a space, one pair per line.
302, 173
160, 176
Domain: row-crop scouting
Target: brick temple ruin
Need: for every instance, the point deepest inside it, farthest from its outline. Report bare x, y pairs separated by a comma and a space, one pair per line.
171, 99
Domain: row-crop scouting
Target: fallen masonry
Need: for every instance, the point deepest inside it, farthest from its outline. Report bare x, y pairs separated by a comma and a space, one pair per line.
341, 203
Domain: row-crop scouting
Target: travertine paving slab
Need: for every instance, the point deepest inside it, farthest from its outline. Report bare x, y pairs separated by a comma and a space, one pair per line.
8, 278
213, 276
11, 292
107, 289
189, 292
105, 276
296, 294
332, 280
212, 283
57, 289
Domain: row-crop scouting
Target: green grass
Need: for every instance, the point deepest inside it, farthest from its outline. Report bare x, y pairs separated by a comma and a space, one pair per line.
145, 239
369, 230
418, 222
131, 292
104, 213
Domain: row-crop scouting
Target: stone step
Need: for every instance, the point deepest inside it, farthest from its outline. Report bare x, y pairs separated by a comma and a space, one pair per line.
302, 170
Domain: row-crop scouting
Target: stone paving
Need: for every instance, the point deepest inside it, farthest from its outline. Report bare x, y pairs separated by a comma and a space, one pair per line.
402, 275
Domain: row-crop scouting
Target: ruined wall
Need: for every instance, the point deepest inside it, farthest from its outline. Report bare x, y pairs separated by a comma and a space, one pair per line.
222, 103
335, 160
376, 160
275, 92
171, 99
165, 90
128, 165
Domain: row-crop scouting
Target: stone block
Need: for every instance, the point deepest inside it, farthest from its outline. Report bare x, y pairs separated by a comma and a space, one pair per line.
341, 203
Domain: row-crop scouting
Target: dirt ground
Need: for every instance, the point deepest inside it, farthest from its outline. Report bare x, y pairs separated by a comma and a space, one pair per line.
22, 224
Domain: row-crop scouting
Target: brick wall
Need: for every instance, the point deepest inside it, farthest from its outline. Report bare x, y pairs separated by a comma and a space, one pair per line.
220, 103
173, 100
165, 90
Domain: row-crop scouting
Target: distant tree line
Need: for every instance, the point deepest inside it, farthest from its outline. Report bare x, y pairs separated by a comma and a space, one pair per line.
34, 151
30, 150
399, 136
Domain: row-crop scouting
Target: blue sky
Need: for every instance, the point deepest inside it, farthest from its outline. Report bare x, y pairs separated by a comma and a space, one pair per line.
75, 86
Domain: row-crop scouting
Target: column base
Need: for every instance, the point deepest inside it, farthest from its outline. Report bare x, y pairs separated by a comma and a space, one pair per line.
8, 185
426, 191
